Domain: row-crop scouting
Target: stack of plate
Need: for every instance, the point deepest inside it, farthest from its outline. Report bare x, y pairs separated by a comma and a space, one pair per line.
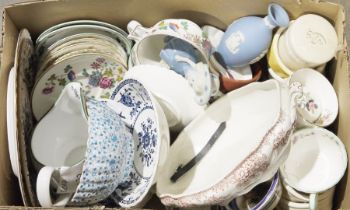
92, 53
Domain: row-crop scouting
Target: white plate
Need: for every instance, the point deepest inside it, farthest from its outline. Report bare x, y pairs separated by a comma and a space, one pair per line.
80, 22
98, 74
12, 122
61, 33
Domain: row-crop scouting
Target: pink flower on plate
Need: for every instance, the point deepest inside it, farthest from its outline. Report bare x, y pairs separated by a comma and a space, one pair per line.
48, 90
105, 82
95, 65
100, 60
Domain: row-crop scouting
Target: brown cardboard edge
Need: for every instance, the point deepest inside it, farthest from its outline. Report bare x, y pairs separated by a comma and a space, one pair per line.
7, 178
309, 2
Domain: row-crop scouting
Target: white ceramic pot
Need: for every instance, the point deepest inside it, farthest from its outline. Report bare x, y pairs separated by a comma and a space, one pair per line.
308, 42
221, 174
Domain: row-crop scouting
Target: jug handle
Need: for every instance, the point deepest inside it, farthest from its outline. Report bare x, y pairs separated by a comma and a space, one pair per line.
136, 31
295, 93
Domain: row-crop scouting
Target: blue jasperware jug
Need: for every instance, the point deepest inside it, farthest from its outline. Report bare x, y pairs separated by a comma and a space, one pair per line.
247, 39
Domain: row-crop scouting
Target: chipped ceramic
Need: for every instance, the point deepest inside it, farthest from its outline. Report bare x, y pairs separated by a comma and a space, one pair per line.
60, 137
147, 123
172, 92
107, 162
239, 45
97, 74
261, 152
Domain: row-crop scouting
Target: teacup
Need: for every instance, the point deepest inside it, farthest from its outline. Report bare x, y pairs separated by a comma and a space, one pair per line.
107, 163
319, 103
60, 137
317, 161
172, 92
271, 190
291, 194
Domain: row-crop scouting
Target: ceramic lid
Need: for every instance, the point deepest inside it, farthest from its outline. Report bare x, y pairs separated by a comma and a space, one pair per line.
313, 39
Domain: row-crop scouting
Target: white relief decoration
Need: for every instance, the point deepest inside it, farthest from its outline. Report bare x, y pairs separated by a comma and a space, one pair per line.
315, 38
234, 41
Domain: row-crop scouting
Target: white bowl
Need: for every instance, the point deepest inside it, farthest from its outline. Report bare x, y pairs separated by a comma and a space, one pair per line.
317, 161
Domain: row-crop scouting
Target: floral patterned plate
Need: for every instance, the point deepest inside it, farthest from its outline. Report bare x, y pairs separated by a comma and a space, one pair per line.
24, 118
78, 49
83, 38
98, 74
146, 120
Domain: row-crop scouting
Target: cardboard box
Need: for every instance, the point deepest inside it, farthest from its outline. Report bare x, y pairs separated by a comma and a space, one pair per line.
38, 16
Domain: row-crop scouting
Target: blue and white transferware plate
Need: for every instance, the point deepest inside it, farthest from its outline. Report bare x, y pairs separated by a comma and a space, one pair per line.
140, 113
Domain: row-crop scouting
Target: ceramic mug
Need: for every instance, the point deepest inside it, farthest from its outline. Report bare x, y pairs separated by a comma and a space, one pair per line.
60, 137
107, 163
316, 162
308, 42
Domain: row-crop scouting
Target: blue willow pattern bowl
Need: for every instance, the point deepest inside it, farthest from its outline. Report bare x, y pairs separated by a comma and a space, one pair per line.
138, 110
109, 155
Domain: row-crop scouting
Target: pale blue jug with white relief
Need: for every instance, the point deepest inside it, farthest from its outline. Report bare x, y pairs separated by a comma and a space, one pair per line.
247, 39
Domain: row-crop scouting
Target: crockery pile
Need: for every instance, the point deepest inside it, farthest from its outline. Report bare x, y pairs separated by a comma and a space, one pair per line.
105, 103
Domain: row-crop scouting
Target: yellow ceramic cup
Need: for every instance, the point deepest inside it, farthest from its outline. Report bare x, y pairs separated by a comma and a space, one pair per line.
274, 60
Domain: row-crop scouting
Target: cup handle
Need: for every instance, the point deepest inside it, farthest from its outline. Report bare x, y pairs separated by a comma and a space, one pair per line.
43, 186
313, 201
43, 189
136, 30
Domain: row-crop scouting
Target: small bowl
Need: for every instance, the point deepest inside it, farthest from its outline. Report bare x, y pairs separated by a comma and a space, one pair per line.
316, 162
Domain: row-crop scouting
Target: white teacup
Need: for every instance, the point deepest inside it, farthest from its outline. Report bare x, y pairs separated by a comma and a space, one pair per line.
60, 137
316, 162
172, 92
319, 103
107, 163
